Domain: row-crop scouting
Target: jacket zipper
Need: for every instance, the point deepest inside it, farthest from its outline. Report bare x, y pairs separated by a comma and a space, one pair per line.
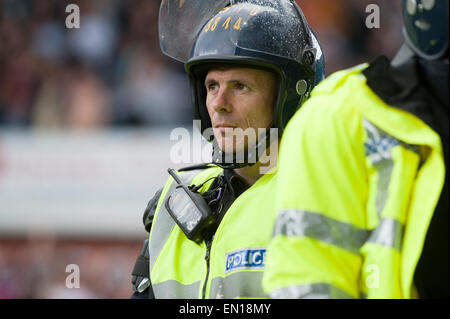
208, 251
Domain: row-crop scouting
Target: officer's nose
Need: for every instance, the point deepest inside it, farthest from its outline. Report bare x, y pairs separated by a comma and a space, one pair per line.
220, 102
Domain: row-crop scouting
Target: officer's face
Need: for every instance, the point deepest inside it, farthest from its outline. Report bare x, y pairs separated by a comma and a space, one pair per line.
240, 101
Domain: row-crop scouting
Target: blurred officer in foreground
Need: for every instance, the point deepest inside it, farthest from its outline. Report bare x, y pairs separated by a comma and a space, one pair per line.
362, 199
251, 65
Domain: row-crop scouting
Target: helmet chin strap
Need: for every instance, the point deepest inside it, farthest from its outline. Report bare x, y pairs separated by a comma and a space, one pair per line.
251, 154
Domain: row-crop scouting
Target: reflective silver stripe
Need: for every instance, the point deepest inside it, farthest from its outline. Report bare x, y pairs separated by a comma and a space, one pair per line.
242, 284
163, 225
389, 233
172, 289
298, 223
310, 291
384, 169
378, 147
308, 224
164, 222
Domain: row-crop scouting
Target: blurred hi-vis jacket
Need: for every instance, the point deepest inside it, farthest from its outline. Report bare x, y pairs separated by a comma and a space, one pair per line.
358, 182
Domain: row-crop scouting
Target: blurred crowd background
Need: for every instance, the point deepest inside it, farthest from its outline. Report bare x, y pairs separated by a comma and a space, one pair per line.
110, 74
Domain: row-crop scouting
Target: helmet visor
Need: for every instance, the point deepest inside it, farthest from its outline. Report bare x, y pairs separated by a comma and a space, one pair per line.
180, 21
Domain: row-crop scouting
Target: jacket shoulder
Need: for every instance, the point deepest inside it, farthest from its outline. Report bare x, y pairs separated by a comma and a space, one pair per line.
338, 79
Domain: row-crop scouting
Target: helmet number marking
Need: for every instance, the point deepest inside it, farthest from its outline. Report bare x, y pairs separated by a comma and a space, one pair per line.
242, 7
208, 26
254, 11
226, 24
224, 9
214, 26
213, 23
237, 25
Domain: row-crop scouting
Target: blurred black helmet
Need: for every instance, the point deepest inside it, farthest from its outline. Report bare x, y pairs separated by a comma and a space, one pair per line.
426, 27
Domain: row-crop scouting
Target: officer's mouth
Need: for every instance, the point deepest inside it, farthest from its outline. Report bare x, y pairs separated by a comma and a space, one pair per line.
224, 127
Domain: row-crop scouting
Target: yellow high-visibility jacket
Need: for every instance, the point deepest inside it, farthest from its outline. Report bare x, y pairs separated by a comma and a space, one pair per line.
232, 265
357, 184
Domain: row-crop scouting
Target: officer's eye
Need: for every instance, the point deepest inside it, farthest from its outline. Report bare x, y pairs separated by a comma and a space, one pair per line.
211, 87
428, 4
241, 87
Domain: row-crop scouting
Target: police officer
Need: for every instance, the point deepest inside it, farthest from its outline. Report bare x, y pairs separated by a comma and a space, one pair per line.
363, 199
251, 65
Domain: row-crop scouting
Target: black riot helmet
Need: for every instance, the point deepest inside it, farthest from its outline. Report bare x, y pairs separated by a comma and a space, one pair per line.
426, 27
268, 34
